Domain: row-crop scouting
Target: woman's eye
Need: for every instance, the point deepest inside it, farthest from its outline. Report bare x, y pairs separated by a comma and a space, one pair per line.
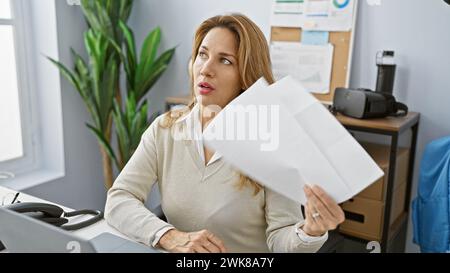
201, 54
226, 61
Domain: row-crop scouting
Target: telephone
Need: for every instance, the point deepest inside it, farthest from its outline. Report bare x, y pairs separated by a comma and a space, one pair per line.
55, 215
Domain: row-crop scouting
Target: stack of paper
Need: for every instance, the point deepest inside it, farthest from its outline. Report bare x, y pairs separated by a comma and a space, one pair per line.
284, 138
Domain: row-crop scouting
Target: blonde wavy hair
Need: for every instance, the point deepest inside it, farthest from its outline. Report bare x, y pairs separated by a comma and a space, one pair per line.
253, 63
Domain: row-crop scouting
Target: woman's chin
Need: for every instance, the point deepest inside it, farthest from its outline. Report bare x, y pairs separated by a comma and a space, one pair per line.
211, 106
205, 100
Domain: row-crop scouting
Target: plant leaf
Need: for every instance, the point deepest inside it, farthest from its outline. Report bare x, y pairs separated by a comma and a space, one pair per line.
150, 48
88, 8
67, 74
125, 9
130, 109
121, 132
108, 89
104, 143
149, 77
151, 44
130, 64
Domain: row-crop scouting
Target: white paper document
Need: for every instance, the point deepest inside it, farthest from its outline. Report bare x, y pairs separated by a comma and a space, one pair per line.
284, 138
287, 13
328, 15
311, 65
323, 15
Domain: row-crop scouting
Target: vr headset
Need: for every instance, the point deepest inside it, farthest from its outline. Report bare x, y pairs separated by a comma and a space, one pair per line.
365, 103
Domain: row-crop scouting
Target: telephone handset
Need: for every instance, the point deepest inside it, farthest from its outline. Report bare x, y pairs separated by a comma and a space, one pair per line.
45, 212
55, 215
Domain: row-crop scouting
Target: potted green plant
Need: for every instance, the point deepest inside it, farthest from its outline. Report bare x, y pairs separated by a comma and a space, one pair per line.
110, 45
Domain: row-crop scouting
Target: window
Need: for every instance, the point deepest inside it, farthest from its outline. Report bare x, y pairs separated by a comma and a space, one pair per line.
31, 140
16, 149
11, 144
5, 9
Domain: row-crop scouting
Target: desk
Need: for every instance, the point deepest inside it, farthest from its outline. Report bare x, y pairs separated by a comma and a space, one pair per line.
392, 127
85, 233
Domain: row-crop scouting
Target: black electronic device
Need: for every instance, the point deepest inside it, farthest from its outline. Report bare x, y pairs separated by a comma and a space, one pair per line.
365, 103
55, 215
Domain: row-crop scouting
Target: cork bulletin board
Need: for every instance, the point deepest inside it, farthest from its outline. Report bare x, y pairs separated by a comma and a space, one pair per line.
342, 56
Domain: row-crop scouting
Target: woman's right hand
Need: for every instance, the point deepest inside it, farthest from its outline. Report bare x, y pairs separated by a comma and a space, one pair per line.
191, 242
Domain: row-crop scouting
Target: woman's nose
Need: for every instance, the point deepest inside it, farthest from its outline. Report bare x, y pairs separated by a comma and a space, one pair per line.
207, 69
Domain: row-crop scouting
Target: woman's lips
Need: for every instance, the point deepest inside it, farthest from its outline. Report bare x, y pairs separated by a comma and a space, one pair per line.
205, 88
205, 91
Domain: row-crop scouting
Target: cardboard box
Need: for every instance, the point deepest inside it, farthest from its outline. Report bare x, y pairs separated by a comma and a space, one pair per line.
364, 217
376, 190
380, 154
365, 212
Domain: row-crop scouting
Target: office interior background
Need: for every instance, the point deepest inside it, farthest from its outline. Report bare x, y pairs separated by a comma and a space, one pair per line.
69, 171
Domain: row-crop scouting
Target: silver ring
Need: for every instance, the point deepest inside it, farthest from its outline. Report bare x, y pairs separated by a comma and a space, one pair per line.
315, 215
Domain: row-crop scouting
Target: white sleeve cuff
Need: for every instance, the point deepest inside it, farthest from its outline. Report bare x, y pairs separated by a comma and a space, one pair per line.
307, 238
159, 234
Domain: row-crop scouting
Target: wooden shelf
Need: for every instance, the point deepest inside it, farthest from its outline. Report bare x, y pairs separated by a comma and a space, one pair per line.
397, 225
392, 124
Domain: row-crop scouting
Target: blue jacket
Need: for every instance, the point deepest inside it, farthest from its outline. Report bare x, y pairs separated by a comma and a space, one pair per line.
431, 217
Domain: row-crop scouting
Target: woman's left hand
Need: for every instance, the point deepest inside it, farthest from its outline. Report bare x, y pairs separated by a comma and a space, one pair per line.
322, 213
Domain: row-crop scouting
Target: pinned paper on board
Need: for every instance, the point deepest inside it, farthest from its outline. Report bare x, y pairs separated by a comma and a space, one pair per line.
311, 65
328, 15
287, 13
315, 37
323, 15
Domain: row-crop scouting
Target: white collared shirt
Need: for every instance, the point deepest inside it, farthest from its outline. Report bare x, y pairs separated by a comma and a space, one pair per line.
197, 133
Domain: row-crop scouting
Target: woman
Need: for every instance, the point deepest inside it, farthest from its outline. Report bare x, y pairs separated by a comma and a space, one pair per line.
211, 207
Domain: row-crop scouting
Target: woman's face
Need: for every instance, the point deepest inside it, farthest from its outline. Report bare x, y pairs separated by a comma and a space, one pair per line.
215, 69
